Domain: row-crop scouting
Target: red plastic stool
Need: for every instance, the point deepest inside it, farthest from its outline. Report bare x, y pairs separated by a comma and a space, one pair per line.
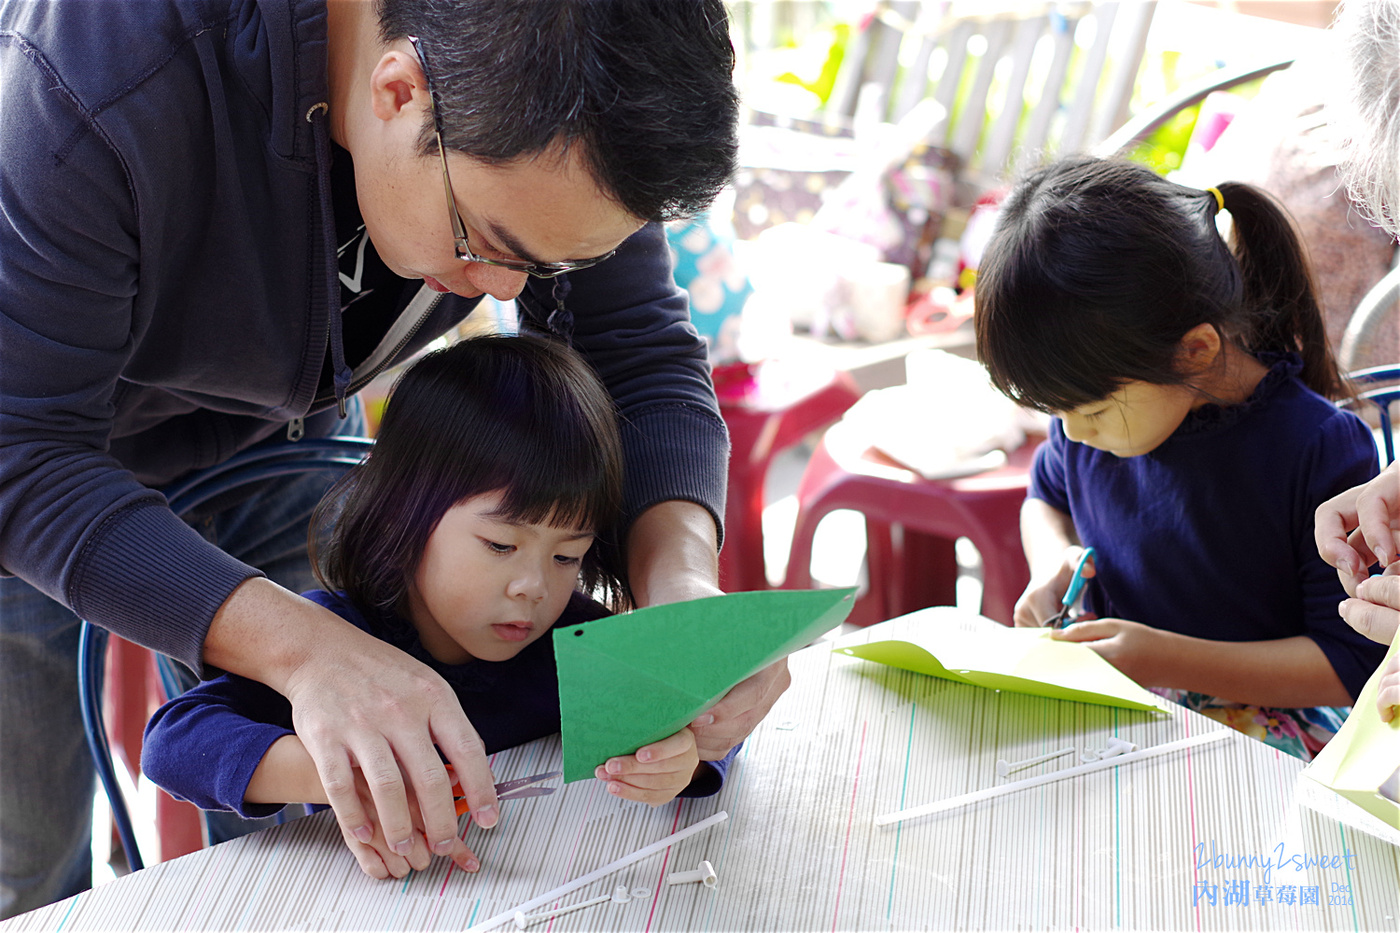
911, 525
768, 407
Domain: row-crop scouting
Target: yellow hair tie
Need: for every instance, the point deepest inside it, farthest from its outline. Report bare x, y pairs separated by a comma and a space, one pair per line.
1219, 198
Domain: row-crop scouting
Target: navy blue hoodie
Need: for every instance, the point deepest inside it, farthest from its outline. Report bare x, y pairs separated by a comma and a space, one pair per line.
168, 297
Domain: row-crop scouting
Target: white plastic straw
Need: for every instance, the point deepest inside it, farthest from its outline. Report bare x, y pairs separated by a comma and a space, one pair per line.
952, 803
508, 916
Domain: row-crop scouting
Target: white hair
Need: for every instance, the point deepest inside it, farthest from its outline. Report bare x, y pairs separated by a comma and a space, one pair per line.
1369, 32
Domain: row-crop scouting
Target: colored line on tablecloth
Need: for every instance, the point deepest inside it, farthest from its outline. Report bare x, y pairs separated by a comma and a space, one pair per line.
661, 875
903, 790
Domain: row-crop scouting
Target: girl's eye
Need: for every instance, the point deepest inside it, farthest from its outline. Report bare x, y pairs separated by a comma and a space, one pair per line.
564, 560
496, 548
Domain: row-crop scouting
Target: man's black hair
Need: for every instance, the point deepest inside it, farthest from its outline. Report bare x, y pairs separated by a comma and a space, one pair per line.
644, 86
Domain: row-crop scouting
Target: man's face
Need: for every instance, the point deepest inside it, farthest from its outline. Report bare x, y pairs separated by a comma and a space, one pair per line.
541, 209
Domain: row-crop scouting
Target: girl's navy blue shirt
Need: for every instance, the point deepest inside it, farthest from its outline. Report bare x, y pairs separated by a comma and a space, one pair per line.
1211, 534
204, 745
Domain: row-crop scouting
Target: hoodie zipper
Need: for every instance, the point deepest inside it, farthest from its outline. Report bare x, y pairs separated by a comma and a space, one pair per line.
363, 379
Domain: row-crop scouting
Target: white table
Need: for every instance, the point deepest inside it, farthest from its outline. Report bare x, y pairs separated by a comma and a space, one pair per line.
1128, 848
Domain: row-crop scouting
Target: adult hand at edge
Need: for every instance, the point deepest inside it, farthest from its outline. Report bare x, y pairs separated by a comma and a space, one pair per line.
1374, 610
1360, 527
358, 702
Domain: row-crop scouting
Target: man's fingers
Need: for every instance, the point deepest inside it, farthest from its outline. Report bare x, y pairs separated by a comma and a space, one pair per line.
1376, 622
740, 711
464, 749
1331, 522
338, 779
380, 771
432, 796
1378, 514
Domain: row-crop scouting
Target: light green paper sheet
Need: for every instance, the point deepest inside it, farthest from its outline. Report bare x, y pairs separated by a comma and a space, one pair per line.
1363, 754
628, 680
957, 645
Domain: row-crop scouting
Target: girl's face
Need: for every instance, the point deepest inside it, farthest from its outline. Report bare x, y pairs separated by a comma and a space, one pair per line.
1132, 421
487, 587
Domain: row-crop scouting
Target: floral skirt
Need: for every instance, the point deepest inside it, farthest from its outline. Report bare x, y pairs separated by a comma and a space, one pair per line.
1299, 732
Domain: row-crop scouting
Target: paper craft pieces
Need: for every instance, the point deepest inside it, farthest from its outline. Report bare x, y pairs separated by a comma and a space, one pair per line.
628, 680
1359, 763
954, 644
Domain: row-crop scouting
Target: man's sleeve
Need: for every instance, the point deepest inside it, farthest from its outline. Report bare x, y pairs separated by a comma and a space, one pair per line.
73, 522
632, 323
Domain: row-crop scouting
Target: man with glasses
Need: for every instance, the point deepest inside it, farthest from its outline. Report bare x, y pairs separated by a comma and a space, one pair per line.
219, 220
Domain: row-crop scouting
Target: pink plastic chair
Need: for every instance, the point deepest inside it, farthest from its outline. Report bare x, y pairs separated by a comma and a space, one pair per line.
911, 526
768, 407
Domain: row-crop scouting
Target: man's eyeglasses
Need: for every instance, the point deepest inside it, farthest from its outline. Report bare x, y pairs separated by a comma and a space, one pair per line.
540, 270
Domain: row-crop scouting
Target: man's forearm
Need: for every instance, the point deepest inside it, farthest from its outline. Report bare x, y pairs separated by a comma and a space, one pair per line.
265, 632
673, 554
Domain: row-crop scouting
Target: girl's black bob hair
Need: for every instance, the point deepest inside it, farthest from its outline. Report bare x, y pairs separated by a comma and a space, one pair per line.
1098, 267
520, 414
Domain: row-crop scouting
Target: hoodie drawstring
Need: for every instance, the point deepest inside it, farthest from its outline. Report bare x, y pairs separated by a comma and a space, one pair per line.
561, 319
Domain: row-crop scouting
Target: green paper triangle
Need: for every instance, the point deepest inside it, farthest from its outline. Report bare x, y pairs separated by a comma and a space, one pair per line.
628, 680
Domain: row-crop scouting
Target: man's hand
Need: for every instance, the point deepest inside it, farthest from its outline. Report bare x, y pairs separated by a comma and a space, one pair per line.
672, 556
739, 712
378, 860
1361, 527
359, 703
1374, 611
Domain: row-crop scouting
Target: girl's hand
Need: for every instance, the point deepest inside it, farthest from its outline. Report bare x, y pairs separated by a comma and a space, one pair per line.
1389, 696
379, 861
1041, 601
1133, 648
1374, 610
656, 773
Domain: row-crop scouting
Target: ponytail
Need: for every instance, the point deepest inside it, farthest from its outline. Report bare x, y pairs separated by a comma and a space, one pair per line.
1098, 267
1281, 312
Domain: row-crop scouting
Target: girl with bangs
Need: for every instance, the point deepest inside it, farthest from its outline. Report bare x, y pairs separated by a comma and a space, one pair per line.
462, 539
1194, 436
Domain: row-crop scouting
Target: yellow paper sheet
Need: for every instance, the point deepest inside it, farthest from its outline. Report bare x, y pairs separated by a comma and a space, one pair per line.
956, 645
1364, 754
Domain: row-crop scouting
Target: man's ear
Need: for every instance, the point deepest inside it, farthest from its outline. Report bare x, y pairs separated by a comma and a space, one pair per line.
396, 85
1198, 348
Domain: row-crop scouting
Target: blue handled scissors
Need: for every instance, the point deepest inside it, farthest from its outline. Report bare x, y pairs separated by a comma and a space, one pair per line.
1076, 583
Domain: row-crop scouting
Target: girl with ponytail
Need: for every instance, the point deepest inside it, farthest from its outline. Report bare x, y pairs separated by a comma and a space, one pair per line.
1194, 435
